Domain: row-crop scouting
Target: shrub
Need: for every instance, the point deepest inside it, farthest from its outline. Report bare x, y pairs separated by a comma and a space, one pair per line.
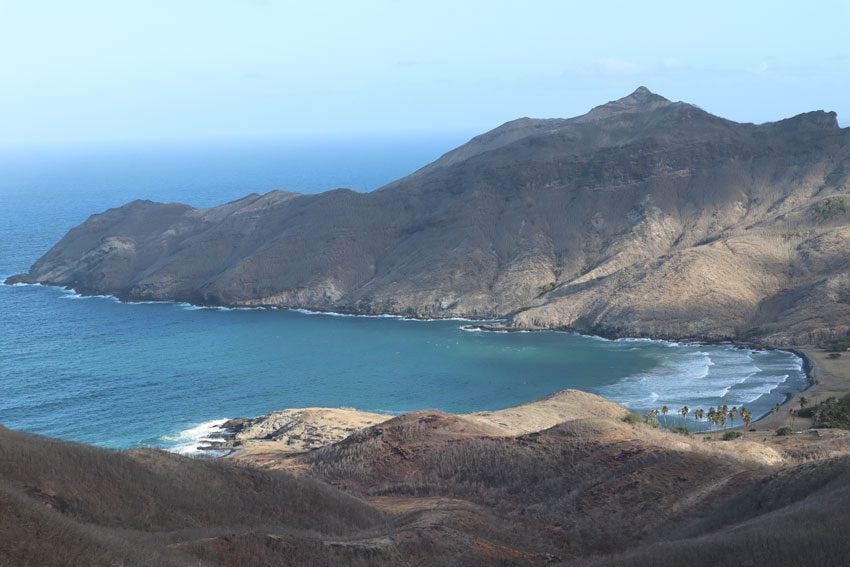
834, 355
633, 418
729, 435
833, 412
681, 430
547, 287
838, 346
805, 412
784, 431
831, 207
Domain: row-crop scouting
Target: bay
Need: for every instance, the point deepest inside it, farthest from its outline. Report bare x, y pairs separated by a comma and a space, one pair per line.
126, 375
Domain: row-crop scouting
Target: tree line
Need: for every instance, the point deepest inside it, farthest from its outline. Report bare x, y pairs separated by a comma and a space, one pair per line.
721, 416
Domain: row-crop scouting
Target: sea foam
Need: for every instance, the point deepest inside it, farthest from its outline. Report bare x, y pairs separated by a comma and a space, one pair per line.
71, 294
191, 440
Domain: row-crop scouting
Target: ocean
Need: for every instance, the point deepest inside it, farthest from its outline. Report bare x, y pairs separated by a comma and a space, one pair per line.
165, 375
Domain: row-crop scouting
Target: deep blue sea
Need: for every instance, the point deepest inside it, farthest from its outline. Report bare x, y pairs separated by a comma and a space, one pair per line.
127, 375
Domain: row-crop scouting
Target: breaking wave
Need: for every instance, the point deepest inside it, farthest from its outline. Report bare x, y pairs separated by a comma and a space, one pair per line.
191, 441
732, 376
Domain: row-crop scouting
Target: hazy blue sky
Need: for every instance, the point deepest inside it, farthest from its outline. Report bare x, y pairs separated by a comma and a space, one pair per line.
82, 71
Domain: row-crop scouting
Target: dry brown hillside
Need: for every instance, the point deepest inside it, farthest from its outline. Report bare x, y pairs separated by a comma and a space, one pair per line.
642, 217
430, 488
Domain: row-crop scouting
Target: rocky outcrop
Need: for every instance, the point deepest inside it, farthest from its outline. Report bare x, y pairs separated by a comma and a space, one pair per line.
295, 430
643, 217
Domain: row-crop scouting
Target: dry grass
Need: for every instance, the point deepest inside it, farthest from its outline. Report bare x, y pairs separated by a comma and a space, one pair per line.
429, 488
796, 517
566, 405
65, 503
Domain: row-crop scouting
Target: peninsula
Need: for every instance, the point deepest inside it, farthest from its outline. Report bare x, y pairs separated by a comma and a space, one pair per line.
643, 217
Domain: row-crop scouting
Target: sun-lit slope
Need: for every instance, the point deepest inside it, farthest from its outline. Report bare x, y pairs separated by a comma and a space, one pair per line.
643, 216
262, 439
297, 430
566, 405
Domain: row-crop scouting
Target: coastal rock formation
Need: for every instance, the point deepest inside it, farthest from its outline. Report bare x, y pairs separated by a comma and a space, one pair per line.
296, 430
643, 217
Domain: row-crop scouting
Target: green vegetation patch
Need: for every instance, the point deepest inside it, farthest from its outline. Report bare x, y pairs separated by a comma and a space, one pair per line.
784, 431
831, 207
547, 288
633, 418
805, 412
833, 412
838, 345
729, 435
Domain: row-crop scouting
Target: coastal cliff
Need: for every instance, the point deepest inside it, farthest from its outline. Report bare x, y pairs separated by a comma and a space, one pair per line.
643, 217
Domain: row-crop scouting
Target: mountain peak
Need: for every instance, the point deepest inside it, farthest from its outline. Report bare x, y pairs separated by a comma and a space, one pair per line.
642, 93
641, 96
641, 99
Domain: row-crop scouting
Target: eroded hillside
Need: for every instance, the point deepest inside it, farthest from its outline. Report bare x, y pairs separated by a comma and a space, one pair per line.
562, 480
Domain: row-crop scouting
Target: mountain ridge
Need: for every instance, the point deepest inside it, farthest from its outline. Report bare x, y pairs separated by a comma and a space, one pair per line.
642, 217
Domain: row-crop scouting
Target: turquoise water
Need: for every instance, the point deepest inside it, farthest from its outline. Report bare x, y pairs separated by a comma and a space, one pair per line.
124, 375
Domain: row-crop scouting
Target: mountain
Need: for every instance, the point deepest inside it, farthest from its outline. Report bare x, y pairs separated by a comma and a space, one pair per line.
431, 488
643, 217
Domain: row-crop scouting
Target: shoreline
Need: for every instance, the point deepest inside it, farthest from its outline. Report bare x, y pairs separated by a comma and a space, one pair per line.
76, 294
826, 377
477, 324
809, 366
230, 433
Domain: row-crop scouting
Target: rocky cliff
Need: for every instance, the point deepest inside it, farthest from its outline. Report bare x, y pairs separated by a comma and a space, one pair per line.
643, 217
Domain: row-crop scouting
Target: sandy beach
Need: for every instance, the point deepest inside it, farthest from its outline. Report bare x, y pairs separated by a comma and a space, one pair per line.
828, 377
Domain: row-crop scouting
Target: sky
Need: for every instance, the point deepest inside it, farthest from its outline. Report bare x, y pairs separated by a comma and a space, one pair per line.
86, 71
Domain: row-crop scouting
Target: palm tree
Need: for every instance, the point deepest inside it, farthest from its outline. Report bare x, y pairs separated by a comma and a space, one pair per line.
722, 416
776, 408
650, 416
803, 402
746, 416
698, 414
712, 416
685, 411
733, 413
664, 410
